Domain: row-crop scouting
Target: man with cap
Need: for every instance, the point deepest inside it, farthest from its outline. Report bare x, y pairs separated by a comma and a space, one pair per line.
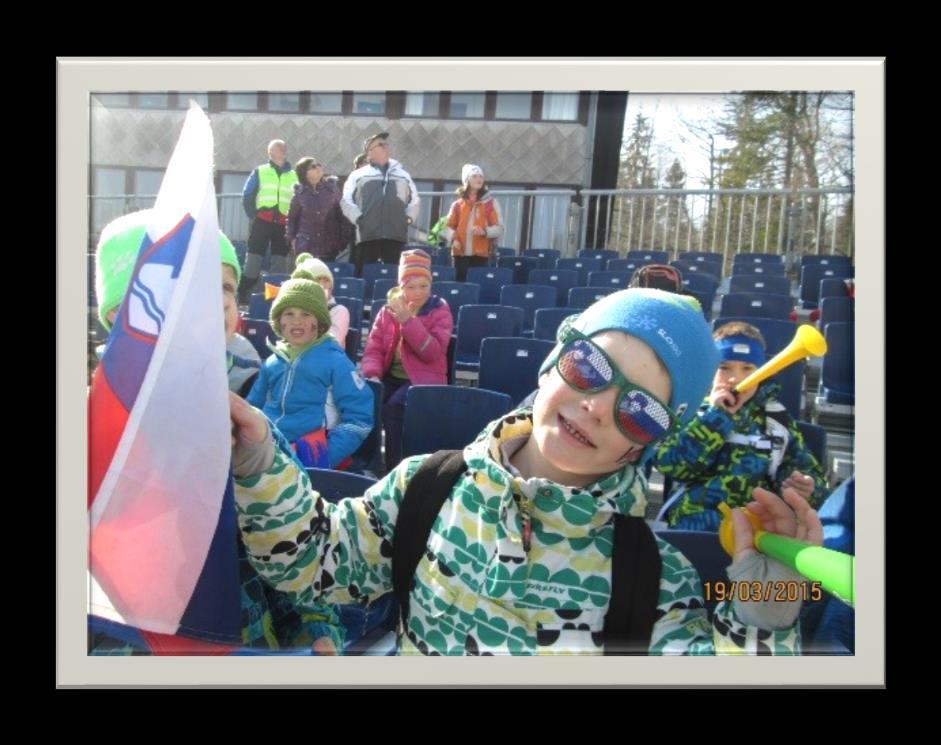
266, 199
381, 200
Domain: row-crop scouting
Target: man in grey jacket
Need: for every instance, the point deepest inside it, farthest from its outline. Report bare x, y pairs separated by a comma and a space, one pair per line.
381, 200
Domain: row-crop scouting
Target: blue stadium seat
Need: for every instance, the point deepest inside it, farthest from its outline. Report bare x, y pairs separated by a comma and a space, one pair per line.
562, 279
757, 304
582, 266
258, 332
833, 287
619, 279
604, 254
547, 256
693, 269
768, 284
581, 297
372, 272
439, 417
521, 266
491, 281
623, 265
350, 287
547, 320
705, 283
340, 269
836, 309
837, 377
529, 298
812, 274
258, 307
441, 273
382, 285
511, 365
706, 301
477, 322
649, 256
457, 294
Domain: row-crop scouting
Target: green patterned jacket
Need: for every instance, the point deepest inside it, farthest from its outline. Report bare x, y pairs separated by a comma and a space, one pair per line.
477, 591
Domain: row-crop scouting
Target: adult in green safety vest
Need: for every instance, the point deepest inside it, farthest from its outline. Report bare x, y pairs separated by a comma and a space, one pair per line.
266, 199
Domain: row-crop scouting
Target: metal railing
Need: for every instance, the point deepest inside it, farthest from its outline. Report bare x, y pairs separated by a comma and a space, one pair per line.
726, 221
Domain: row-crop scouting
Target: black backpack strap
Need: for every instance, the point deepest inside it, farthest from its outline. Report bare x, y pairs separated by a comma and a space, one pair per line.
635, 588
424, 496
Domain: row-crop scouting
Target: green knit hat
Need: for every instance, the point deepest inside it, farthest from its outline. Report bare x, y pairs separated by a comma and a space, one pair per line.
306, 295
229, 257
116, 255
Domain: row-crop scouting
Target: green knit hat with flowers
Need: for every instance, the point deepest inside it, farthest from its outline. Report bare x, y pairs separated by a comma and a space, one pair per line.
116, 256
306, 295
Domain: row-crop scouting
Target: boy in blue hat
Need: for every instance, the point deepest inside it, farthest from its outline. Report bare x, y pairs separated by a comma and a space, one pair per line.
738, 441
525, 554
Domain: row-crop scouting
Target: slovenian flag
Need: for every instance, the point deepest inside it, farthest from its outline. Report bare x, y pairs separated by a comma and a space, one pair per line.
163, 529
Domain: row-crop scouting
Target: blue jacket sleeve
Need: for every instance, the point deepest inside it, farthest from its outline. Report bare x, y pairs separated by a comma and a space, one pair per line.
259, 392
249, 191
354, 401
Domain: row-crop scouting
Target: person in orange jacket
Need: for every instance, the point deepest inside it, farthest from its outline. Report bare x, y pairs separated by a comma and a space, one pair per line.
474, 222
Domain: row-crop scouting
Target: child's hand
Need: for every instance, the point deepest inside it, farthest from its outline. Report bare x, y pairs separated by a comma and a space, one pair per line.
248, 423
730, 401
792, 517
803, 485
479, 231
800, 521
456, 245
399, 308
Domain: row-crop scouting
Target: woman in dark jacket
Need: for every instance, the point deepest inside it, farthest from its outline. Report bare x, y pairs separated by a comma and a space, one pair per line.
315, 223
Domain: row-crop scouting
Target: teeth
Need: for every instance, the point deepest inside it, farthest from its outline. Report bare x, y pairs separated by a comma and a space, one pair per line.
575, 433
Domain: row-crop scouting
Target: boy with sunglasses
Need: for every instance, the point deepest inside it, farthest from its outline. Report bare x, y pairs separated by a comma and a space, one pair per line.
738, 441
519, 556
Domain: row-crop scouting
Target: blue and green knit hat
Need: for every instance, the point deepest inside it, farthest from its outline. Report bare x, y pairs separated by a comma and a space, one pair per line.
672, 325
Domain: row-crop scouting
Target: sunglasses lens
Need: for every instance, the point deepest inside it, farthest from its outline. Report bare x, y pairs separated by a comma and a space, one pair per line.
583, 366
641, 418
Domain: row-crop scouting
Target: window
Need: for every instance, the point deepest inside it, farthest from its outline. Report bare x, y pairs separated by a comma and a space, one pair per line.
467, 105
326, 103
241, 101
421, 104
183, 99
289, 102
560, 106
147, 183
369, 103
108, 200
153, 100
514, 105
113, 99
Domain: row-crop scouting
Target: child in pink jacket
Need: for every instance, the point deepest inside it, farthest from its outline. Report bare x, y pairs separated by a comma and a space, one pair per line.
408, 345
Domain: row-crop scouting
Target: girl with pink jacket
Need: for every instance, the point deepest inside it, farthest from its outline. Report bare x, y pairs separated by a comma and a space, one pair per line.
408, 345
